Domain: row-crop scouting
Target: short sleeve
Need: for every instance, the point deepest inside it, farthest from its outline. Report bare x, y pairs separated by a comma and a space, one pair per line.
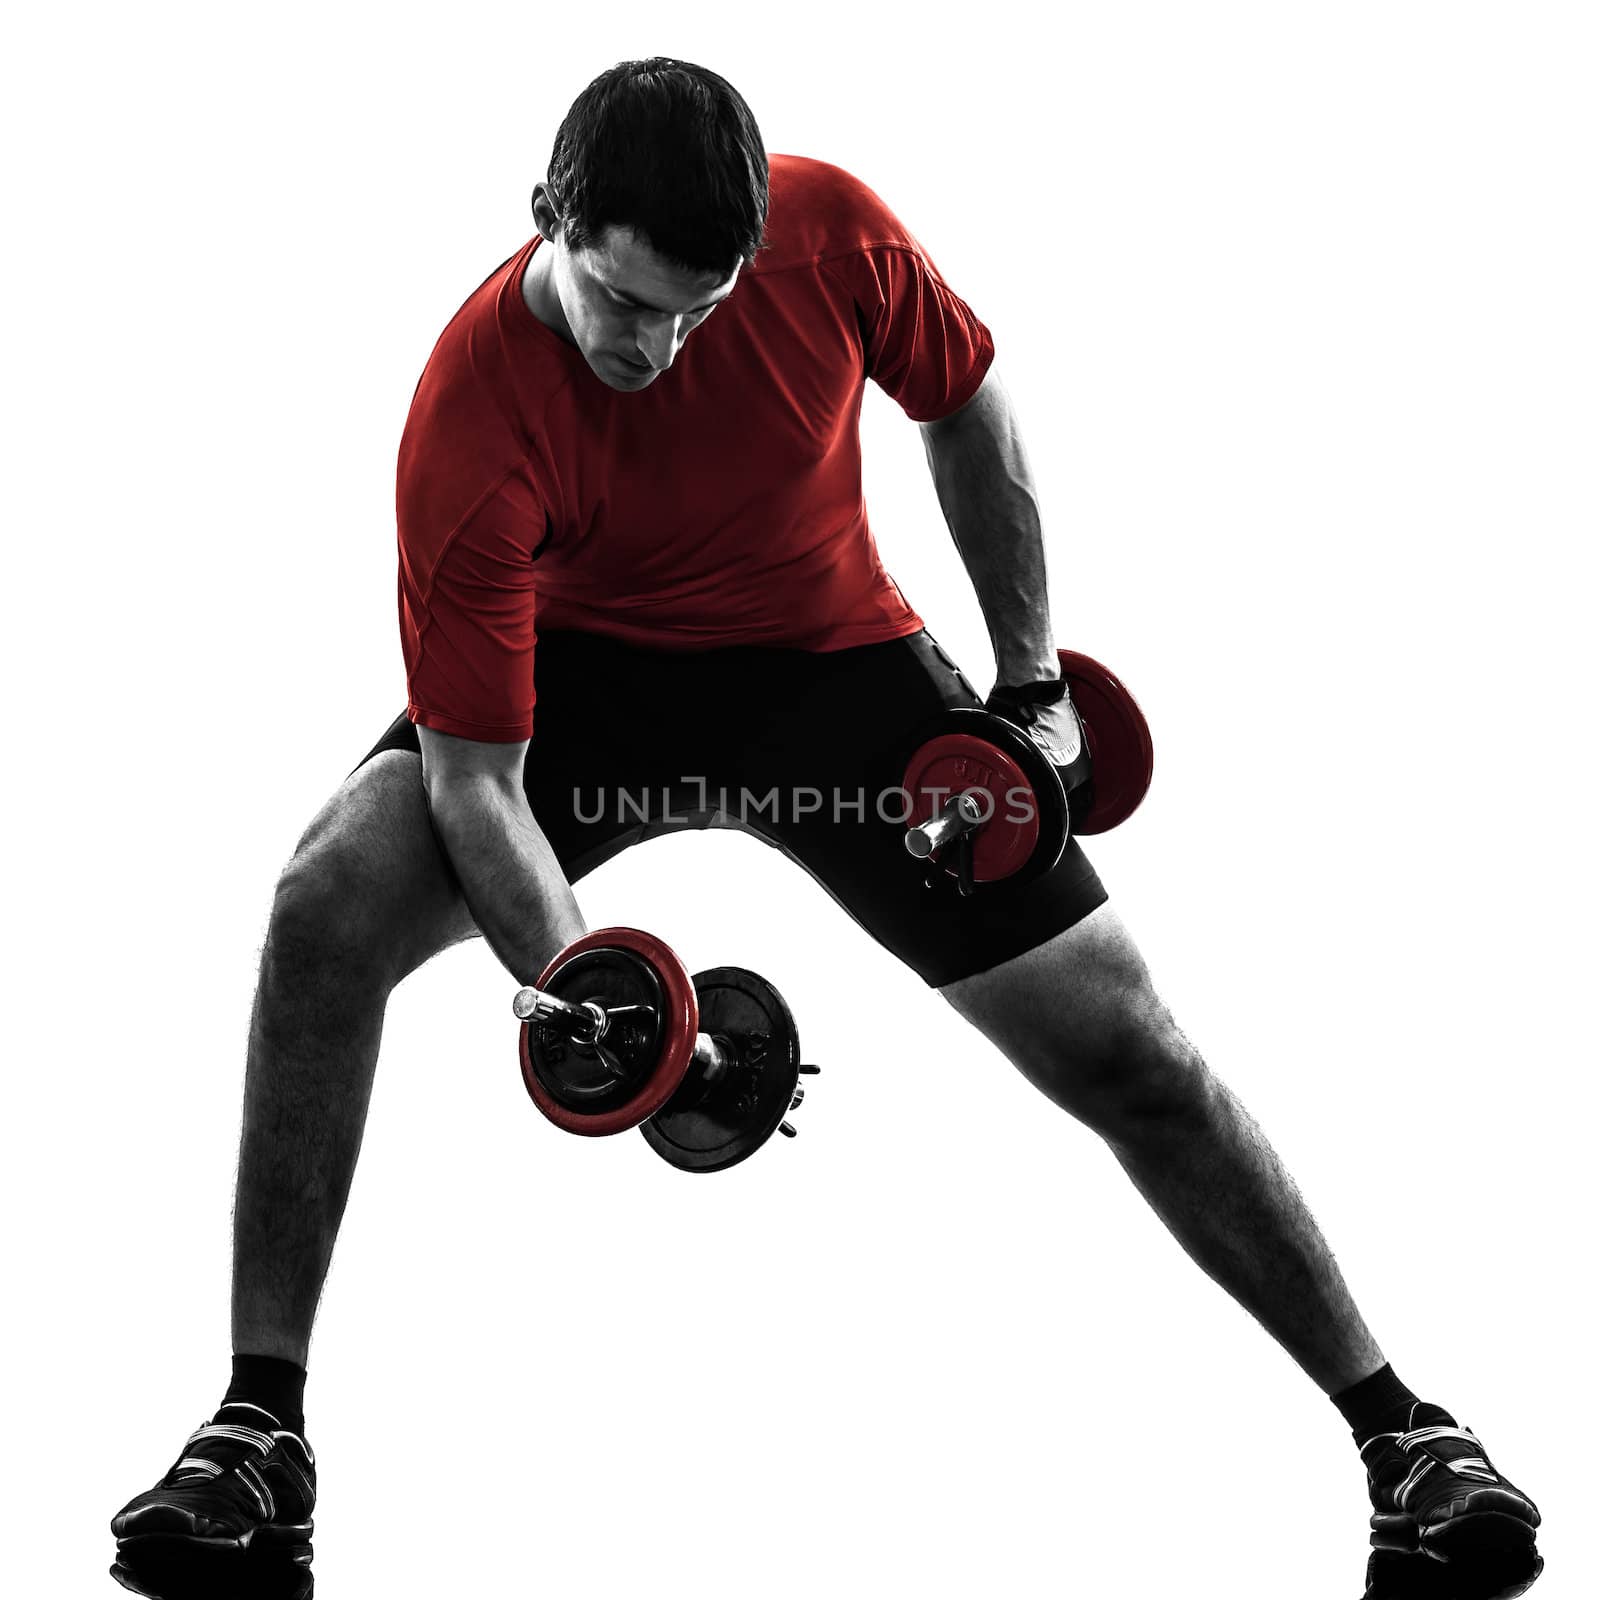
925, 347
467, 618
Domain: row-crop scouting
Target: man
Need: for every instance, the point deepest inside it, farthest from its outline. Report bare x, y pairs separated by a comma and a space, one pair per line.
682, 521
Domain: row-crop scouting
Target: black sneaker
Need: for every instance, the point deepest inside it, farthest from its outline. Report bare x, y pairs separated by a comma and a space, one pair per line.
215, 1576
1392, 1576
1440, 1507
238, 1485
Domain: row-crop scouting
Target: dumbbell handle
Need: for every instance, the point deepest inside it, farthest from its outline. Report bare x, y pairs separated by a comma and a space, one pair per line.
586, 1024
956, 817
583, 1022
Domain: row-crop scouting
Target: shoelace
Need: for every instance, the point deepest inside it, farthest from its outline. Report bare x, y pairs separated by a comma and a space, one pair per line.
235, 1433
245, 1469
1474, 1467
223, 1432
191, 1467
1429, 1434
256, 1438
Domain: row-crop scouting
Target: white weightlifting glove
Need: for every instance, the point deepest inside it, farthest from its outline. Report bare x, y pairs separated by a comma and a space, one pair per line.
1045, 712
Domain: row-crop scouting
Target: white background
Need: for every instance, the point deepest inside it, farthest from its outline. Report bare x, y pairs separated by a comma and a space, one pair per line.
1297, 306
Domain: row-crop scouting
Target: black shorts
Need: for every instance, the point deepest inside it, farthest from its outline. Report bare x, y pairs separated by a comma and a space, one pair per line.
798, 747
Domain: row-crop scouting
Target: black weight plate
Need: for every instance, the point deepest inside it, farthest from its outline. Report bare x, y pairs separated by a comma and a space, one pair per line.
704, 1129
598, 1078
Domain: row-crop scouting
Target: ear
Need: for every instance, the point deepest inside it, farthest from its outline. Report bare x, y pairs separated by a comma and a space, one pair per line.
546, 218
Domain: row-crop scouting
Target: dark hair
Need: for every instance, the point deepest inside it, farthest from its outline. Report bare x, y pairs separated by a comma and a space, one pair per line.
670, 150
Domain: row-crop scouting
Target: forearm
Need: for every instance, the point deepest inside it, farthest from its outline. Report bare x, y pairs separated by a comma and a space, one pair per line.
985, 488
514, 886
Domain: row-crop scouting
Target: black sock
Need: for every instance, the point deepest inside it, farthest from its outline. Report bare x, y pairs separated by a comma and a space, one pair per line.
1379, 1404
270, 1385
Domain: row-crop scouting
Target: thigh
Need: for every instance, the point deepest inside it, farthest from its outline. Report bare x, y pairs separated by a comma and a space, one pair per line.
1079, 1017
840, 746
1086, 991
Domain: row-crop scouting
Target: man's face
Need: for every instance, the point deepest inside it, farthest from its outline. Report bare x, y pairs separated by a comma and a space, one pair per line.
628, 310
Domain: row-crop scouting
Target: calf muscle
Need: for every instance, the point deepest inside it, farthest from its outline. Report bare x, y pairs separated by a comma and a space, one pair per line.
367, 899
1079, 1019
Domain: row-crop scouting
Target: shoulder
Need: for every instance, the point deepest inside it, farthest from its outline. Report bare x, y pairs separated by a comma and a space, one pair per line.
492, 373
818, 211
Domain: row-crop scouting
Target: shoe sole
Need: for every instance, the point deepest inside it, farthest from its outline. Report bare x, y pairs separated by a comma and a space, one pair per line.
276, 1538
1470, 1533
1492, 1553
185, 1580
1419, 1577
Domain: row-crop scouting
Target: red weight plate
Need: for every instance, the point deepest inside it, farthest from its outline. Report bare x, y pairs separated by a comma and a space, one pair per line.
950, 764
1121, 753
680, 1024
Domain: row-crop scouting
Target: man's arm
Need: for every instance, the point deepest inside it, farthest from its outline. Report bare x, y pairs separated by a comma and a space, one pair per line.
513, 884
985, 487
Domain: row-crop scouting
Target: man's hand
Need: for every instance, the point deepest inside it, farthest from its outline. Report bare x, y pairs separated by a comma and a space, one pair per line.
1057, 731
1044, 710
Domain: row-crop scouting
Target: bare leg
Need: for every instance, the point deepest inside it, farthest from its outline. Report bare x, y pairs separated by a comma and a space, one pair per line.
367, 899
1078, 1017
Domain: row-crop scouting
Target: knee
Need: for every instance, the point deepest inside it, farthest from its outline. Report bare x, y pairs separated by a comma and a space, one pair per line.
329, 925
1131, 1076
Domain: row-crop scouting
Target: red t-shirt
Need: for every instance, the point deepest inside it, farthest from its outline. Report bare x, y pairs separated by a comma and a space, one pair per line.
720, 506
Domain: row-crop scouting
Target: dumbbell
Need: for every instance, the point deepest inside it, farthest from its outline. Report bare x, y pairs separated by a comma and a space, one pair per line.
617, 1035
989, 805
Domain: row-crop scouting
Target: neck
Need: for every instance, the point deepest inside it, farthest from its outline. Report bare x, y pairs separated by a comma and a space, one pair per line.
539, 291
